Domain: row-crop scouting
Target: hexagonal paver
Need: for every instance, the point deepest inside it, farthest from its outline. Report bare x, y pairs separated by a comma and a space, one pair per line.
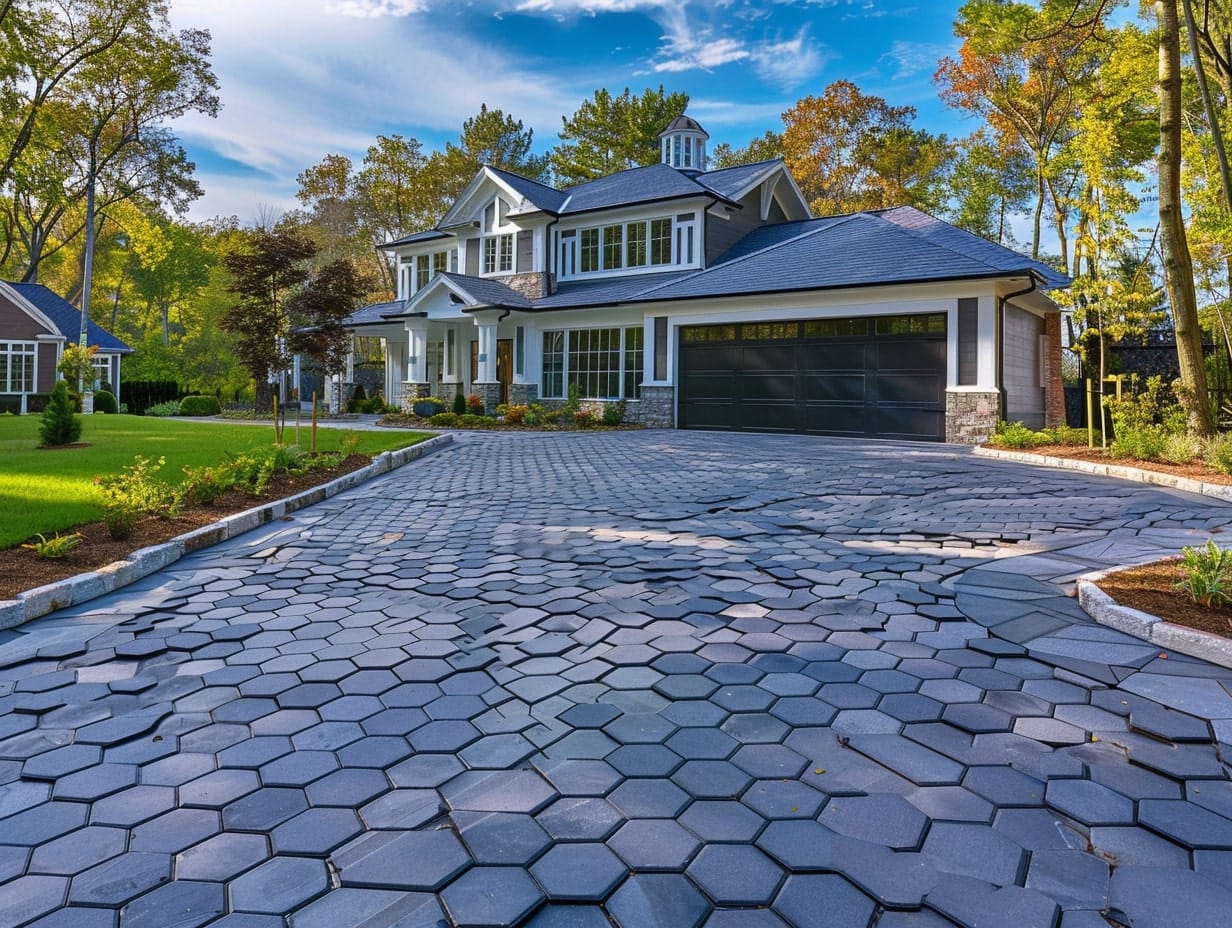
579, 872
879, 819
491, 896
501, 837
735, 874
657, 900
654, 844
579, 819
409, 860
844, 905
221, 857
278, 885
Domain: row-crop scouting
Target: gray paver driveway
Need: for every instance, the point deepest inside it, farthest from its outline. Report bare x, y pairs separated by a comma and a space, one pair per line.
642, 679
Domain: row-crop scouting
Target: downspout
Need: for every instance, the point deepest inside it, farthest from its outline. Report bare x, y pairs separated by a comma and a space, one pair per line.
1000, 337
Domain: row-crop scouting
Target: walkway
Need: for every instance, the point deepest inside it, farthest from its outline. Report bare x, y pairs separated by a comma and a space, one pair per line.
641, 678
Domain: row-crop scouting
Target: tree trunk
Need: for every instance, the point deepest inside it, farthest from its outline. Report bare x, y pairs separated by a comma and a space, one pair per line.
1039, 211
1178, 267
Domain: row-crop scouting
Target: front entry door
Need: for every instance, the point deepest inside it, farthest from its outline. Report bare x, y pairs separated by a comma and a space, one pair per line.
504, 365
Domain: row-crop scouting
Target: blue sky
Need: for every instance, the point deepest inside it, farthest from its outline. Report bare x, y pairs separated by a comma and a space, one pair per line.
305, 78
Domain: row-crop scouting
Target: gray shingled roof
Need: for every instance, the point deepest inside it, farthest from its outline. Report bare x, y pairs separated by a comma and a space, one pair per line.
375, 313
488, 291
546, 198
636, 185
728, 182
417, 237
607, 292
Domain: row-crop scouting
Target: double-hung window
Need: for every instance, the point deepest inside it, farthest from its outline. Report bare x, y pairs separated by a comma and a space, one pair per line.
17, 367
498, 254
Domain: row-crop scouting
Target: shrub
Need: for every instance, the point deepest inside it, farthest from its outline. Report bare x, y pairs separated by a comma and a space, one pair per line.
459, 405
614, 413
59, 425
205, 484
584, 419
444, 420
105, 402
1219, 453
1066, 435
169, 408
473, 421
200, 406
1181, 449
533, 415
552, 416
134, 492
1142, 422
1208, 574
1016, 435
52, 548
515, 415
474, 404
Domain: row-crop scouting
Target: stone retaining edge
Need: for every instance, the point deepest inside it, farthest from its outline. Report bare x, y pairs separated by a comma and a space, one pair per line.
73, 591
1107, 611
1103, 608
1159, 478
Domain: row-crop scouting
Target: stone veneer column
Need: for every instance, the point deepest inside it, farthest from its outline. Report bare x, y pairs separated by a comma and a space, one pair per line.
1054, 388
412, 391
523, 394
657, 407
490, 393
971, 414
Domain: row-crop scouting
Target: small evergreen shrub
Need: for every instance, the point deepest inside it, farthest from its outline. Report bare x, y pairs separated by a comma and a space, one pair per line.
200, 406
169, 408
444, 420
1142, 422
59, 424
1219, 453
474, 421
459, 405
515, 415
614, 413
105, 402
1066, 435
135, 492
1181, 449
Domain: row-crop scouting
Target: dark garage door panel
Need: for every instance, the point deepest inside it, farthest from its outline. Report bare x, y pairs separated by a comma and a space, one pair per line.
874, 385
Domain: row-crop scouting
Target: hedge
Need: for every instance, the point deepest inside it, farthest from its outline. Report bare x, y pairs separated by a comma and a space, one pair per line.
200, 406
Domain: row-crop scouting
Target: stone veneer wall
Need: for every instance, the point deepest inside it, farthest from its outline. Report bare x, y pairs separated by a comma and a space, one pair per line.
412, 391
523, 394
532, 286
1054, 387
971, 415
657, 408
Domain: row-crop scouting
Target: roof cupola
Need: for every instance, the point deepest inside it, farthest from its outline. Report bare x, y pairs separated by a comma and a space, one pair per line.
683, 145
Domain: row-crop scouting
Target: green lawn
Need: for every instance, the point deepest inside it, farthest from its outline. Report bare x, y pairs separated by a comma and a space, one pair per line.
45, 490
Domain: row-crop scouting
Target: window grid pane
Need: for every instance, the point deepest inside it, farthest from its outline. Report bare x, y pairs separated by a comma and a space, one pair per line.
553, 363
613, 250
594, 362
634, 341
661, 241
590, 250
637, 244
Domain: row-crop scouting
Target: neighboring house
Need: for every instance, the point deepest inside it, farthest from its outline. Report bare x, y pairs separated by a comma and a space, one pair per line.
35, 326
714, 300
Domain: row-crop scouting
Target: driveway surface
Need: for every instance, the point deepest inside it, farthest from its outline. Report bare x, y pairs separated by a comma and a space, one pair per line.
637, 679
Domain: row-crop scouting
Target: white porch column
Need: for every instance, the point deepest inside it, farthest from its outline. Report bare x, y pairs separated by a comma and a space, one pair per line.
417, 351
486, 321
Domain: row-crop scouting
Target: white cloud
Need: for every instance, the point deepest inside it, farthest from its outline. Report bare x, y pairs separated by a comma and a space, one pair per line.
911, 58
788, 63
373, 8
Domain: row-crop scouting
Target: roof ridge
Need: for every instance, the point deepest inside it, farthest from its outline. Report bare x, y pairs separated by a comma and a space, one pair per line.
760, 251
529, 180
917, 234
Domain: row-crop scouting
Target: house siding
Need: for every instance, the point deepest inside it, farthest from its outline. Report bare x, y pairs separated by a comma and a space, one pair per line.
17, 325
722, 234
45, 368
472, 257
1024, 393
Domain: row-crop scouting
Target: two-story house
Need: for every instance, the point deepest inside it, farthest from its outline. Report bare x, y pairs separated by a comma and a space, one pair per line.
715, 300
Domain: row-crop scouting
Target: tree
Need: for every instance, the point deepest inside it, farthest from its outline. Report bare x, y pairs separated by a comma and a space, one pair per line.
1178, 268
488, 138
169, 266
988, 184
59, 424
763, 148
318, 310
851, 151
608, 134
266, 273
100, 122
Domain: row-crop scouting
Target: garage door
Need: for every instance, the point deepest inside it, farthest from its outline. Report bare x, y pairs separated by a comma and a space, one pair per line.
873, 377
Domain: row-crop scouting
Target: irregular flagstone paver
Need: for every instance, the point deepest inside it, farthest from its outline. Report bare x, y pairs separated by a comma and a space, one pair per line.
637, 679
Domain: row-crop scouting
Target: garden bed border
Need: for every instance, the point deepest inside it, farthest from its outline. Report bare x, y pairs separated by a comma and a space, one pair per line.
73, 591
1103, 608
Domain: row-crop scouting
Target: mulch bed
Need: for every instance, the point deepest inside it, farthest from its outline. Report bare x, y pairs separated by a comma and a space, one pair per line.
21, 569
1151, 589
1195, 470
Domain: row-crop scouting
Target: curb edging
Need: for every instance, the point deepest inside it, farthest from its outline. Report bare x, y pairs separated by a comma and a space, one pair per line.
1184, 640
81, 588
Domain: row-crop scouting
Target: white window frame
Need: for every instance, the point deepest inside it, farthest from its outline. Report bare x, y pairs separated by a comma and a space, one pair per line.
567, 348
24, 350
498, 251
588, 251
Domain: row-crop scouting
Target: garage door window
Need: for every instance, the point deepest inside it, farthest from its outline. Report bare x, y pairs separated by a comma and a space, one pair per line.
836, 328
932, 324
